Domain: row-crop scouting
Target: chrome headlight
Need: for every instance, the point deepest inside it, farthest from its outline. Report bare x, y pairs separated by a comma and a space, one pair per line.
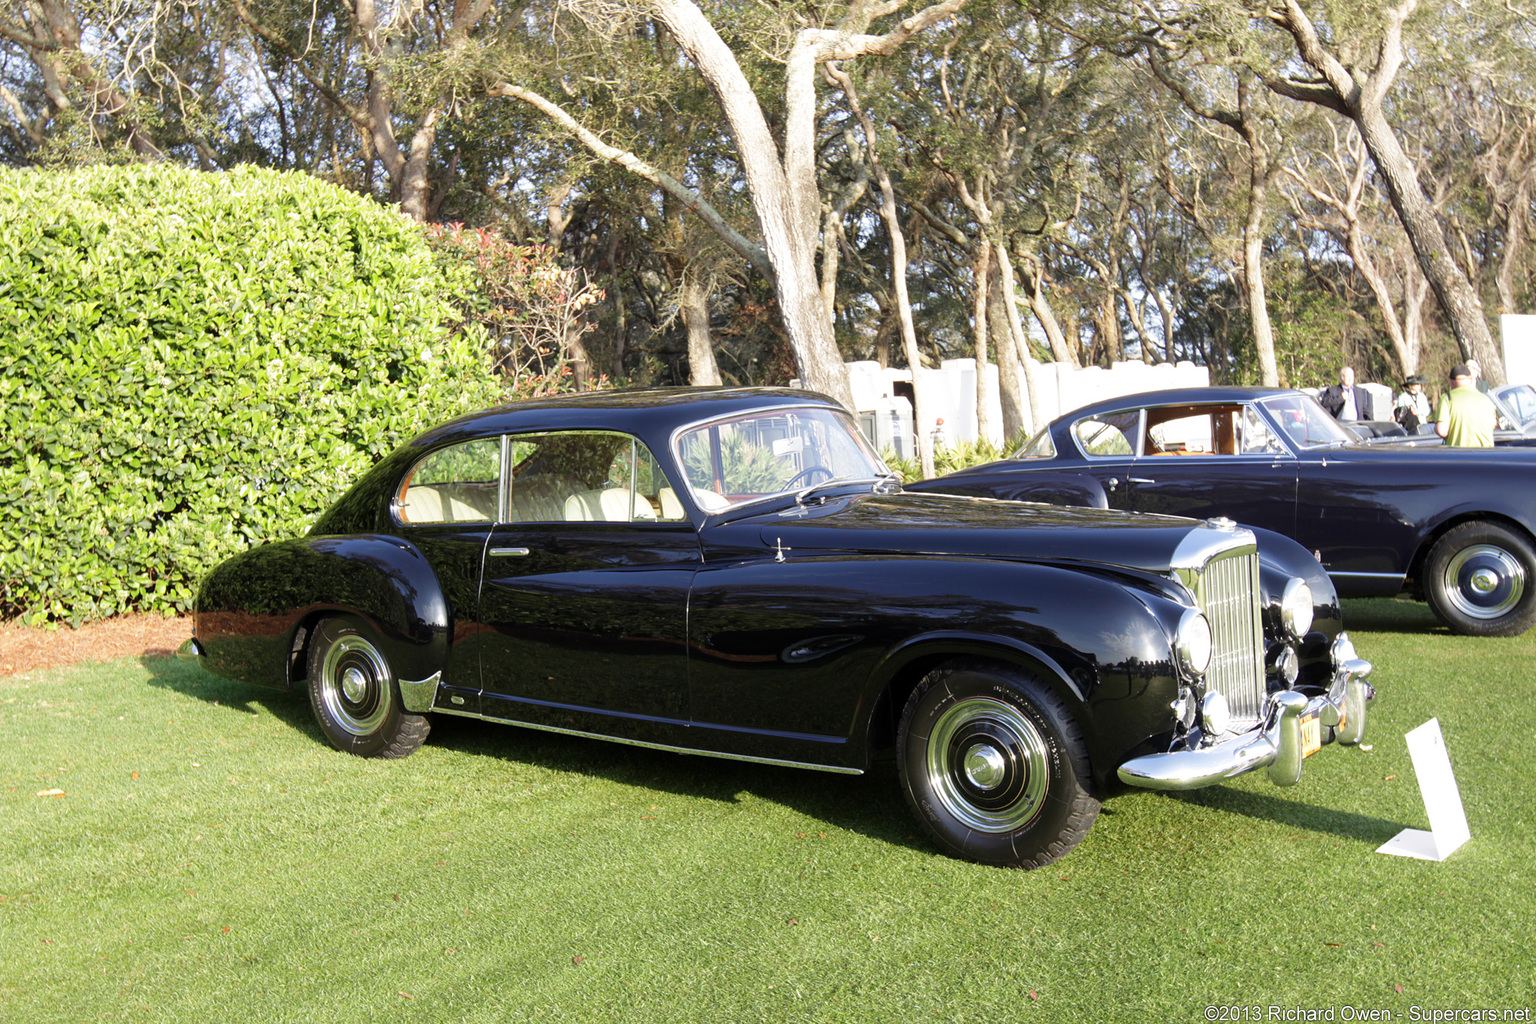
1296, 608
1193, 643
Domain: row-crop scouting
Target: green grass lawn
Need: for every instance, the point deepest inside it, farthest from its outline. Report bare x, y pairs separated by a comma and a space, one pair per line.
211, 858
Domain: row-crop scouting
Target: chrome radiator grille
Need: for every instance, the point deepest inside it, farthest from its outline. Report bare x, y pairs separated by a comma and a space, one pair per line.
1228, 592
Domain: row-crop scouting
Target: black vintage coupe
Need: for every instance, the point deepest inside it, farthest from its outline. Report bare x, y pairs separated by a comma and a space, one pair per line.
1453, 526
735, 573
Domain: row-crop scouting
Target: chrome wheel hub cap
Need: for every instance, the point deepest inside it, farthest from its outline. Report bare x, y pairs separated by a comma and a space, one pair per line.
988, 764
985, 767
355, 685
1484, 581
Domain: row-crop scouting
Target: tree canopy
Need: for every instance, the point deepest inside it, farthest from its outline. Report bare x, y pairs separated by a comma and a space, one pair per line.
1268, 188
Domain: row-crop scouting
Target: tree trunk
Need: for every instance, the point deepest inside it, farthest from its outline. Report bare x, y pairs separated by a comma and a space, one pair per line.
981, 276
1359, 96
693, 304
920, 412
783, 194
1028, 402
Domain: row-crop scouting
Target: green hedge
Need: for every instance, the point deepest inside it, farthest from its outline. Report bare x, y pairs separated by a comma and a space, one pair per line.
192, 363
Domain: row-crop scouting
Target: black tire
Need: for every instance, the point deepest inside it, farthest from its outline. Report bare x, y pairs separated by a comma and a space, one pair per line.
354, 694
994, 766
1480, 580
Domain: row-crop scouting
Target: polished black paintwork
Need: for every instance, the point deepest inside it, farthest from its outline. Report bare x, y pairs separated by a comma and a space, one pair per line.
1369, 511
779, 630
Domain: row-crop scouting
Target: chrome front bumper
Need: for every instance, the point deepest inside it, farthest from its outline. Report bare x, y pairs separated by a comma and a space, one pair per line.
1276, 744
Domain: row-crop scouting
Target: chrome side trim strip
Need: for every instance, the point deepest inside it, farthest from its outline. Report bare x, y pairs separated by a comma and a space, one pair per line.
1370, 575
780, 762
417, 697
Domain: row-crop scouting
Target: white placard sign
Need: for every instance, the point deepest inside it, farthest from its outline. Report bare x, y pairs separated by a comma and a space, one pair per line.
1442, 800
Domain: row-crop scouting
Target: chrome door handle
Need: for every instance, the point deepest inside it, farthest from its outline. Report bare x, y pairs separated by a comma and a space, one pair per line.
509, 552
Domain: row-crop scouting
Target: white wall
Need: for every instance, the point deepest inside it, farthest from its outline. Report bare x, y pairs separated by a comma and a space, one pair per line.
1060, 388
1519, 334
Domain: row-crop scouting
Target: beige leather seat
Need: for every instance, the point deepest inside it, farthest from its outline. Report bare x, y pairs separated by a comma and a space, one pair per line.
671, 508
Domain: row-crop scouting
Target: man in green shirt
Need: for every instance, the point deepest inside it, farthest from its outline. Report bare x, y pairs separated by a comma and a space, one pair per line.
1466, 416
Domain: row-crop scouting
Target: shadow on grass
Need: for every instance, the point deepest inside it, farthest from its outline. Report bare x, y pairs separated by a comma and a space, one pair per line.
870, 804
1292, 814
191, 680
1391, 615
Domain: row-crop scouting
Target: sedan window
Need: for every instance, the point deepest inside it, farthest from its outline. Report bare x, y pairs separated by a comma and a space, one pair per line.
1258, 439
1195, 430
1039, 447
588, 475
459, 484
1108, 436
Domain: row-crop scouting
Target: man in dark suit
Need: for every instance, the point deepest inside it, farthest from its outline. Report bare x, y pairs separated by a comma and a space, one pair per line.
1344, 401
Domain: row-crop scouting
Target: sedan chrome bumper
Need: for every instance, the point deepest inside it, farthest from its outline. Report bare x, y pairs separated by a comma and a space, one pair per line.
1276, 744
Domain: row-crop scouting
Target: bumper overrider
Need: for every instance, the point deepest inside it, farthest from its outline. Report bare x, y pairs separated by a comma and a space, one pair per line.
1279, 743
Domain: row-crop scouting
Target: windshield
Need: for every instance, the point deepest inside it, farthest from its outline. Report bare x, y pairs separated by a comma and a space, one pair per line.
779, 451
1520, 401
1304, 422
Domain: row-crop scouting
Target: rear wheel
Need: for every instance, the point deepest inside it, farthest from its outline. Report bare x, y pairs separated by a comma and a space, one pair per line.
1480, 580
354, 695
994, 767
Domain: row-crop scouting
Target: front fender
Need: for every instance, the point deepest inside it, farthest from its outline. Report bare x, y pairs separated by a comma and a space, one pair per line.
1281, 559
251, 607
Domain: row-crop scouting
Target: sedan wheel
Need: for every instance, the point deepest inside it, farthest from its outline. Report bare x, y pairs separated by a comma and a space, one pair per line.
993, 766
1480, 579
354, 695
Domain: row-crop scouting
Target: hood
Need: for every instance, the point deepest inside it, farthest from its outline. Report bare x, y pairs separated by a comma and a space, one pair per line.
942, 524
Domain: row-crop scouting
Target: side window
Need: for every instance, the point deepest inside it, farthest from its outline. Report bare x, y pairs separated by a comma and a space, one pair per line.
460, 484
588, 476
1108, 436
1041, 447
1258, 439
1195, 430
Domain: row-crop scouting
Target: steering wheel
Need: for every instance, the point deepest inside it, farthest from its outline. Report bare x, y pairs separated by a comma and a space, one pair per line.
807, 471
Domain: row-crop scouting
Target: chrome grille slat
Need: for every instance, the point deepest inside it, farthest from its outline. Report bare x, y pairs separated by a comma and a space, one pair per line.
1229, 597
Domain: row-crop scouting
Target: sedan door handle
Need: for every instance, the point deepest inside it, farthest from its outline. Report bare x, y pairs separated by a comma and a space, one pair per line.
509, 552
1142, 480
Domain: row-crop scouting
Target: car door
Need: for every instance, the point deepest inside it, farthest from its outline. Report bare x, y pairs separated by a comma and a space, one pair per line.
1208, 460
446, 507
1110, 446
585, 591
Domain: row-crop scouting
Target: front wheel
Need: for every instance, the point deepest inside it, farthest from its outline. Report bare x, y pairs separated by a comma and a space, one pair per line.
354, 695
1480, 580
994, 766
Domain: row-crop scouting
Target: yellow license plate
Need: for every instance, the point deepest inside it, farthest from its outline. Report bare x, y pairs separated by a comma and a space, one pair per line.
1311, 735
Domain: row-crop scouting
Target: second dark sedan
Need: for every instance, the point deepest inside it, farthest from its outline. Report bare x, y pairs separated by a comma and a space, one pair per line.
1455, 527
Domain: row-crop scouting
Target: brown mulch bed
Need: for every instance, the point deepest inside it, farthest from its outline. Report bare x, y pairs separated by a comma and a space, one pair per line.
25, 648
